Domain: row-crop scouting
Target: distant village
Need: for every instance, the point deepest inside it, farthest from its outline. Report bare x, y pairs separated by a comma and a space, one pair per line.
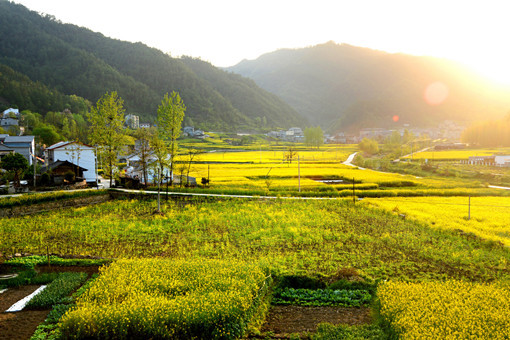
64, 157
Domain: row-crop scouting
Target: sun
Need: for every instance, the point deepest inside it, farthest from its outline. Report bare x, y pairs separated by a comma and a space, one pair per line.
496, 68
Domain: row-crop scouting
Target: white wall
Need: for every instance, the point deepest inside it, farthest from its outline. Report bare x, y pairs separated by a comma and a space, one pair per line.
80, 155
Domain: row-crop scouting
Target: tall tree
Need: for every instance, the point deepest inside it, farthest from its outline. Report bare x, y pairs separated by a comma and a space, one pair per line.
314, 136
107, 127
15, 163
143, 149
170, 117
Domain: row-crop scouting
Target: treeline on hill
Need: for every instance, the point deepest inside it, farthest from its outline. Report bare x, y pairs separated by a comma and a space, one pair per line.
17, 90
345, 88
489, 134
75, 60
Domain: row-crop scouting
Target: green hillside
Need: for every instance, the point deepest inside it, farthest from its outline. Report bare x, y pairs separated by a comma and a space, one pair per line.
343, 87
75, 60
18, 90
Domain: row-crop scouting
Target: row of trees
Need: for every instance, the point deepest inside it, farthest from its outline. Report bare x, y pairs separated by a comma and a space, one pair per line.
489, 134
108, 133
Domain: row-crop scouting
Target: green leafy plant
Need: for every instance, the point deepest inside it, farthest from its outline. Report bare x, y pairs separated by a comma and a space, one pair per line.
322, 297
59, 288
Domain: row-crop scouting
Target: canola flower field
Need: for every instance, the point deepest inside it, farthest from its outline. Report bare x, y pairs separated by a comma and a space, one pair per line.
287, 237
269, 172
169, 299
463, 154
446, 310
441, 268
259, 237
483, 217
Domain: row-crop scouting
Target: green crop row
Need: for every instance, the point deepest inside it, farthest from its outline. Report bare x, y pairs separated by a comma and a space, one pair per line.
58, 289
321, 297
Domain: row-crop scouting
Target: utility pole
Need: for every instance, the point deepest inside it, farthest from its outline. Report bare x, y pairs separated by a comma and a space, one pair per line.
159, 185
299, 174
469, 207
35, 163
167, 178
353, 192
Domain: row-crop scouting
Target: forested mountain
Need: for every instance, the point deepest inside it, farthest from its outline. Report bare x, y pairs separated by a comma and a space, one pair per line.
343, 87
75, 60
18, 90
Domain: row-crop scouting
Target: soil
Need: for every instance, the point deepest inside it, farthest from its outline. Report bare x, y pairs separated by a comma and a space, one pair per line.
21, 325
285, 320
18, 325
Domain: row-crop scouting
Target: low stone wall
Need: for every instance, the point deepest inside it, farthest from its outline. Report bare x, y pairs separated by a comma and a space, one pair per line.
48, 206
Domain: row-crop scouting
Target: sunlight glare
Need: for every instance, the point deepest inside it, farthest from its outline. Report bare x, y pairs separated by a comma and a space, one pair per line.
435, 93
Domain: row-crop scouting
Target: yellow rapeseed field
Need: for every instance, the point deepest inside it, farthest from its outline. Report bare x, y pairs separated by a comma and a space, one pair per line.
457, 154
168, 299
485, 217
446, 310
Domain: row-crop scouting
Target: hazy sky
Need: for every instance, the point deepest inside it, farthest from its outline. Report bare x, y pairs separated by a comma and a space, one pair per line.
224, 32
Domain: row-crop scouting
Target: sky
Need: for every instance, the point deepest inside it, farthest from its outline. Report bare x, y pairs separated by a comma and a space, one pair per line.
224, 32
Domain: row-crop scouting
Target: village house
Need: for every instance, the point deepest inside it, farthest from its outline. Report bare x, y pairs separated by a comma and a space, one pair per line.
132, 121
24, 145
494, 160
76, 153
60, 169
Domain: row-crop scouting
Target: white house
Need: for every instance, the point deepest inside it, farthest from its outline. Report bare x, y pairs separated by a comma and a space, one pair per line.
79, 154
502, 161
7, 113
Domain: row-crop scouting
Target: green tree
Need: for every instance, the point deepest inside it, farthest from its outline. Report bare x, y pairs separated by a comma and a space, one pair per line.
170, 117
16, 164
47, 134
107, 127
369, 146
314, 136
143, 149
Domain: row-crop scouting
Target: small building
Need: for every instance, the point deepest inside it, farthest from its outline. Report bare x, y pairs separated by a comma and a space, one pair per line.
481, 160
10, 113
7, 123
4, 150
188, 130
59, 169
132, 121
24, 145
503, 161
76, 153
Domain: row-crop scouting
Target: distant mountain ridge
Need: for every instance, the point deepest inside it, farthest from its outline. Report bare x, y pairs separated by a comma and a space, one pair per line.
344, 87
75, 60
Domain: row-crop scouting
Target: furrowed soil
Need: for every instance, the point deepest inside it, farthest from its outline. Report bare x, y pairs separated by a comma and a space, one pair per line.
21, 325
18, 325
285, 320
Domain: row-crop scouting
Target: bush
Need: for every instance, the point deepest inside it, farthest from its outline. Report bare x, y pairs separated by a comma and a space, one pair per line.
70, 176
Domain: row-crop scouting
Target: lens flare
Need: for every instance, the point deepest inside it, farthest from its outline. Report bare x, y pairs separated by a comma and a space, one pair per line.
436, 93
